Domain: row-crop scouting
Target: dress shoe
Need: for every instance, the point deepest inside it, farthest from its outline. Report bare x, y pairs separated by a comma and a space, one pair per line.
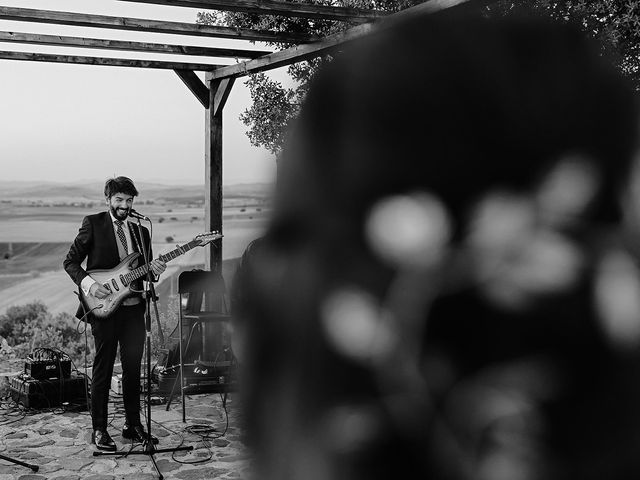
136, 434
103, 441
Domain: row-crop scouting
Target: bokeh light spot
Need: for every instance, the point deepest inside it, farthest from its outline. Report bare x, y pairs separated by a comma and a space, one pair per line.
356, 326
408, 230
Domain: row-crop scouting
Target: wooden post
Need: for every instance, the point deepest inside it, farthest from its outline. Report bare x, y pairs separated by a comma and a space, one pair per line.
218, 93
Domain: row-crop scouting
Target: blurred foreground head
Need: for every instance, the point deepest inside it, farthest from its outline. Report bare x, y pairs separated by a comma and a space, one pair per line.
457, 302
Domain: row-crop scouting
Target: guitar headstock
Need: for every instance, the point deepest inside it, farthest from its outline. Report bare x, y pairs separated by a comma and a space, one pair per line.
207, 237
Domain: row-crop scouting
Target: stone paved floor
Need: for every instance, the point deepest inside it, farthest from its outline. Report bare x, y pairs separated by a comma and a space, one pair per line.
58, 444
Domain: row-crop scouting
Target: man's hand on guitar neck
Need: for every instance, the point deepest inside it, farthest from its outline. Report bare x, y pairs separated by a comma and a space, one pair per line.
157, 266
98, 291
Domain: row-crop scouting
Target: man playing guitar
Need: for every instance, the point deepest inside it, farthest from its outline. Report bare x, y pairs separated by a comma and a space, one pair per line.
104, 239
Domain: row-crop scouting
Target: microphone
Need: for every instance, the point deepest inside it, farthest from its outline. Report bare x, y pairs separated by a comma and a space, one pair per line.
134, 214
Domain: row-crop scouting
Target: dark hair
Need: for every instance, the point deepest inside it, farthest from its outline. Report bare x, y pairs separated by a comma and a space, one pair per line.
471, 104
120, 185
458, 107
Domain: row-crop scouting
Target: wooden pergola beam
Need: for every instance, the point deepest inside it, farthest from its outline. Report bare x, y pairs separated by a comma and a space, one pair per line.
273, 7
144, 25
38, 39
312, 50
293, 54
195, 85
113, 62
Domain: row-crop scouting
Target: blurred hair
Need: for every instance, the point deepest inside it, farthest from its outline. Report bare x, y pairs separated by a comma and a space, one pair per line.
456, 107
119, 185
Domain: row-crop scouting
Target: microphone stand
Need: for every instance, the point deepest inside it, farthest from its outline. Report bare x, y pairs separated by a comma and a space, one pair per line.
35, 468
150, 296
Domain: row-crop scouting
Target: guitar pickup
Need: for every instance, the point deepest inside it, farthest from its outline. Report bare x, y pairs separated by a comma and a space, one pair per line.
115, 285
108, 287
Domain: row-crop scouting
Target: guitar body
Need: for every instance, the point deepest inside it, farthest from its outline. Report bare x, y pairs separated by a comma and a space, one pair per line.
113, 280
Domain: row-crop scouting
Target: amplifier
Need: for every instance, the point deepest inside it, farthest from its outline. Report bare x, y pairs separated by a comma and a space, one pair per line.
214, 379
33, 393
43, 369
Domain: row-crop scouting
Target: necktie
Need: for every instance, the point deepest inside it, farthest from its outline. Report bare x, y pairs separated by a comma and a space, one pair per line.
121, 236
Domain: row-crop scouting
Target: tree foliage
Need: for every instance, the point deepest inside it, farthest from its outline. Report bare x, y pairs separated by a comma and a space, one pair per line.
616, 23
274, 105
273, 108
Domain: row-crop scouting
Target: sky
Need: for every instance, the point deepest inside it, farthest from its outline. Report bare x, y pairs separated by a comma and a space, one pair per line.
69, 123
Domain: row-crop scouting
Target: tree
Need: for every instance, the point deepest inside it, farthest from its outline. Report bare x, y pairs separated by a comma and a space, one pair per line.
274, 105
616, 23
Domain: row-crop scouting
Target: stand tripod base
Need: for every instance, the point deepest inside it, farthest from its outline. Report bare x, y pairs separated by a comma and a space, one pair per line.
148, 449
35, 468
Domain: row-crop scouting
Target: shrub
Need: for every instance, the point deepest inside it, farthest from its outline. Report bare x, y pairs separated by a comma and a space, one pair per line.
31, 326
13, 322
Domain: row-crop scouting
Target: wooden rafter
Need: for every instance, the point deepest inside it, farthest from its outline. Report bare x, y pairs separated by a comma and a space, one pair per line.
293, 54
37, 39
144, 25
273, 7
114, 62
308, 51
195, 85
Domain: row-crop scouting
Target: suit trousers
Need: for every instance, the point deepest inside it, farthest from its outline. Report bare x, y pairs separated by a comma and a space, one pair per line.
126, 328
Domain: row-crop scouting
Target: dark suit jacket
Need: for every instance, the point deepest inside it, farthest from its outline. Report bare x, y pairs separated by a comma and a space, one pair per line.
96, 241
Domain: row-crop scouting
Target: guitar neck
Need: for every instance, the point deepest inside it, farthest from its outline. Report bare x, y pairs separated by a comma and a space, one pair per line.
167, 257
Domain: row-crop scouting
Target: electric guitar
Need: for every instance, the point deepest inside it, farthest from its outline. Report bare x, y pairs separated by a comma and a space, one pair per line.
118, 280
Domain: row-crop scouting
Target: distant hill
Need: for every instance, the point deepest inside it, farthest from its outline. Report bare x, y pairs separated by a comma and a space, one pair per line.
91, 191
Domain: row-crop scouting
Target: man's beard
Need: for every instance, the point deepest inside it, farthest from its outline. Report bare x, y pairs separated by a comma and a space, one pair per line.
118, 213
